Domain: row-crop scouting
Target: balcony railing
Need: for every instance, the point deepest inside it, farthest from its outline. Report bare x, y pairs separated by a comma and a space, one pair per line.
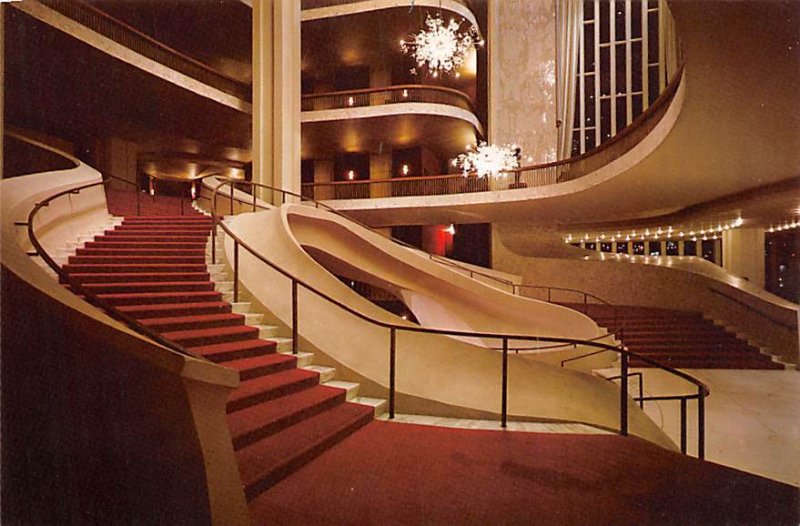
131, 38
315, 4
389, 95
525, 177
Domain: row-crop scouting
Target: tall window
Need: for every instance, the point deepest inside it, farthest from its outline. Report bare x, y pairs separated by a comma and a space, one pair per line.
627, 54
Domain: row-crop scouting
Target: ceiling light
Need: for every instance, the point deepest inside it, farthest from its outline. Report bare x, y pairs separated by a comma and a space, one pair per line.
440, 47
486, 160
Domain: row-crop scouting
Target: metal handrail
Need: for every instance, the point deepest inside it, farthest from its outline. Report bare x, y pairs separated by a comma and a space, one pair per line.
401, 93
297, 283
130, 37
88, 295
544, 174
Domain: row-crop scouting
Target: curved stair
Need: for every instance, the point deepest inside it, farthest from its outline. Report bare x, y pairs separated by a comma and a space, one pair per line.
682, 339
154, 268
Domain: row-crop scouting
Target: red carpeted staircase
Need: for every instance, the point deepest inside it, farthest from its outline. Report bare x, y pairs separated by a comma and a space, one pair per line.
681, 339
154, 269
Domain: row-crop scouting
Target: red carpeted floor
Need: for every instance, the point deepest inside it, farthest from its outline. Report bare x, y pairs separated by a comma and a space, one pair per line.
682, 339
407, 474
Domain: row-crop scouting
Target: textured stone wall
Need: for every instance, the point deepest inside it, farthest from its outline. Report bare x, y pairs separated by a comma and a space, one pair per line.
522, 93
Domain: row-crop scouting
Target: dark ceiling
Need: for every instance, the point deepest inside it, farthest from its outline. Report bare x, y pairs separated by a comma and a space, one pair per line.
58, 85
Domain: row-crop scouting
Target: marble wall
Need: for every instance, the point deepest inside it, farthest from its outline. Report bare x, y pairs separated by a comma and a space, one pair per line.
522, 91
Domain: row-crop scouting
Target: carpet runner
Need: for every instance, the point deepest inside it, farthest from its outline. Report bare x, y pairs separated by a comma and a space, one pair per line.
682, 339
153, 268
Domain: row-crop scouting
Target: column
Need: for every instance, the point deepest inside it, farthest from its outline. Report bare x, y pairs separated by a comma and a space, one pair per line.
380, 168
743, 253
276, 95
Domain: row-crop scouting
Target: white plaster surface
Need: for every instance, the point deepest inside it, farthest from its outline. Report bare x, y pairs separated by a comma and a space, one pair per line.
752, 418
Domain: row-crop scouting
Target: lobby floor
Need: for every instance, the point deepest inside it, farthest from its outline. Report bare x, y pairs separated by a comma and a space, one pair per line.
752, 418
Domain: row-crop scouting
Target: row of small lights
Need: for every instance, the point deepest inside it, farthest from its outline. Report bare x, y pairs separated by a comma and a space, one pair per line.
785, 226
668, 233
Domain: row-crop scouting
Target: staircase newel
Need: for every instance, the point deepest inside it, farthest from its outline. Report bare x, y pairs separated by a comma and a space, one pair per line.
504, 403
392, 371
623, 396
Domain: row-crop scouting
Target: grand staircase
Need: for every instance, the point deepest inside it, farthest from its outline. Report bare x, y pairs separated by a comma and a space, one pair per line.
682, 339
154, 268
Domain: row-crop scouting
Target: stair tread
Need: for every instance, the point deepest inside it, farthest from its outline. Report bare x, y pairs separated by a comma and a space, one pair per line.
192, 318
218, 351
271, 383
245, 423
173, 307
198, 333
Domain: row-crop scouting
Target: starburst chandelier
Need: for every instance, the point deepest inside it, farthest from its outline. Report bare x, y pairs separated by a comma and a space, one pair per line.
488, 160
440, 47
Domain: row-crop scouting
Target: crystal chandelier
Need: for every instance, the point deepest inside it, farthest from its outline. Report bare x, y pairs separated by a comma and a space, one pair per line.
441, 47
488, 160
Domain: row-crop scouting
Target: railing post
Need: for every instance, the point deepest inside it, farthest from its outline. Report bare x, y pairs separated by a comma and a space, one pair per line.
294, 316
392, 368
683, 425
232, 187
253, 188
235, 271
504, 405
701, 424
623, 397
214, 235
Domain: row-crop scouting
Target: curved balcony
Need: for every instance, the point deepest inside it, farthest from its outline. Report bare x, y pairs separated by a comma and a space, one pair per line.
396, 116
97, 28
525, 177
405, 93
318, 9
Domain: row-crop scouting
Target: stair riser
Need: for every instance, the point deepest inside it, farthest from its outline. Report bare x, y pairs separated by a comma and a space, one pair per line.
142, 313
221, 358
212, 339
146, 245
152, 252
137, 260
170, 298
122, 288
138, 278
135, 269
249, 374
186, 326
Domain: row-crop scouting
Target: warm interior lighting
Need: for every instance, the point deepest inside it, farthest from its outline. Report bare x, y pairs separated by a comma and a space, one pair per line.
489, 160
440, 47
450, 229
405, 169
351, 175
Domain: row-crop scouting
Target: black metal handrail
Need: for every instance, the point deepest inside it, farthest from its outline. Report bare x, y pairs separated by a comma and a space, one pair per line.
77, 288
297, 284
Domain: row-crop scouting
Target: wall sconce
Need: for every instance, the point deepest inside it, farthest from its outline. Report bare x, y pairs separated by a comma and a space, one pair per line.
451, 229
404, 170
351, 175
350, 101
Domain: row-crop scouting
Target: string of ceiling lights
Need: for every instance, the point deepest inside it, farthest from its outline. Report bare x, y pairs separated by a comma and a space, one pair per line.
667, 233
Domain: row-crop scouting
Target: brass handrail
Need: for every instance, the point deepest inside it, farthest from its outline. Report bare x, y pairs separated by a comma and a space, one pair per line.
702, 390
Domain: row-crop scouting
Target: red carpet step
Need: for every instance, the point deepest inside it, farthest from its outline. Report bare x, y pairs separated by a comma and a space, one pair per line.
153, 268
681, 339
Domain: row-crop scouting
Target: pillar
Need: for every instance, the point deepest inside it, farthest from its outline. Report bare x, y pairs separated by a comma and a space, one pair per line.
380, 168
743, 253
276, 95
